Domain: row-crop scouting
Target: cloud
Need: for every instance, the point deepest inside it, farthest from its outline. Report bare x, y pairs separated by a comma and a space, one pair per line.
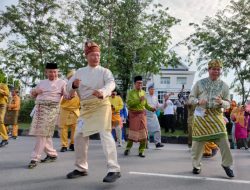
4, 3
192, 11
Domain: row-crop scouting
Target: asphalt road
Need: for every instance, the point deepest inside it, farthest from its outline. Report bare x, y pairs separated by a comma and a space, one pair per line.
168, 168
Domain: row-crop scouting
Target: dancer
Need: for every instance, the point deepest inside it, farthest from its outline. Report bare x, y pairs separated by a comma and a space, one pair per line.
48, 94
94, 85
210, 95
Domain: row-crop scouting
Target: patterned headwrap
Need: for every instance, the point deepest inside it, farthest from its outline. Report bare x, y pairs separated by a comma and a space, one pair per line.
214, 63
91, 47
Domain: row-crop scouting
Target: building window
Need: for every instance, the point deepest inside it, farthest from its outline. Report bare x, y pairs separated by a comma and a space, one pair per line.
165, 80
161, 96
181, 80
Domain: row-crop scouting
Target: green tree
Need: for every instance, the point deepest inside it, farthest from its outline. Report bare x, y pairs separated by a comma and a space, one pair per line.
2, 77
141, 40
134, 37
10, 80
225, 37
32, 32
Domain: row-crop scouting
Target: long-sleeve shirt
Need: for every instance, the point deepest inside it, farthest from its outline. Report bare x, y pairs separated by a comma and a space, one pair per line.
4, 93
153, 101
134, 103
14, 103
52, 90
208, 89
72, 104
117, 103
92, 78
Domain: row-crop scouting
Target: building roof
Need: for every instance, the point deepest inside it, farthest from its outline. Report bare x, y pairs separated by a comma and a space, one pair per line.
179, 67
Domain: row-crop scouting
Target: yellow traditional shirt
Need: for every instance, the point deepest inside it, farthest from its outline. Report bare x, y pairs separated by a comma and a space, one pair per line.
117, 103
71, 104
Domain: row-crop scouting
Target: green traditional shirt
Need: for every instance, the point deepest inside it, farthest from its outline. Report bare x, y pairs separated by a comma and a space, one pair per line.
134, 103
208, 89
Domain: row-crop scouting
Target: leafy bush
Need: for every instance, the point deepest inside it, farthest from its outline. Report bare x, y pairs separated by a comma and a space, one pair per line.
26, 108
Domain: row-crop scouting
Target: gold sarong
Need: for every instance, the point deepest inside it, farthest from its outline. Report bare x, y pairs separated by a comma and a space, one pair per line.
210, 127
96, 115
44, 119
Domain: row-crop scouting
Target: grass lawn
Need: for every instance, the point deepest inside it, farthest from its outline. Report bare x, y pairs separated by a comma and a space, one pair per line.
24, 125
178, 132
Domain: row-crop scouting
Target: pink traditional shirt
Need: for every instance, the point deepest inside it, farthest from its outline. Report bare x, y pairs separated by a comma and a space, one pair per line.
52, 90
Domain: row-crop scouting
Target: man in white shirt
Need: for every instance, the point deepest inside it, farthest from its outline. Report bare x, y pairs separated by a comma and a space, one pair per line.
152, 120
94, 85
168, 114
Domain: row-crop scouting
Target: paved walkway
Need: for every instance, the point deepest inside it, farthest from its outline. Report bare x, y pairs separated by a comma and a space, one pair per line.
168, 168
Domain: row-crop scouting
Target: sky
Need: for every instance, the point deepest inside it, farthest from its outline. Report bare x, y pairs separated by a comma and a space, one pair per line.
193, 11
186, 10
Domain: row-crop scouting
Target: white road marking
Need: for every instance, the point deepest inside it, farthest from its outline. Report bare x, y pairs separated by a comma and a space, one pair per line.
191, 177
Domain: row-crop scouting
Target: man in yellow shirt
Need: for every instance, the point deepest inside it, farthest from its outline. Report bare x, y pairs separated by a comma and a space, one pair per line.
69, 113
4, 94
116, 105
11, 116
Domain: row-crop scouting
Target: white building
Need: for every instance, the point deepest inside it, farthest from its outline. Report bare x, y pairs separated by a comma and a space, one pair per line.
171, 79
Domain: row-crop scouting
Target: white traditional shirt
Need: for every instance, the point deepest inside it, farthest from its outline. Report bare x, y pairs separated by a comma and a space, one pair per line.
153, 101
92, 78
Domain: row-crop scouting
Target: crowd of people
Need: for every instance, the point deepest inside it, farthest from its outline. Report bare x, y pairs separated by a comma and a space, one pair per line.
88, 103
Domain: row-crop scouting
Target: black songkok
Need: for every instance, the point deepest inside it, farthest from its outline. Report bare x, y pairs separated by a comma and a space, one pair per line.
51, 65
137, 78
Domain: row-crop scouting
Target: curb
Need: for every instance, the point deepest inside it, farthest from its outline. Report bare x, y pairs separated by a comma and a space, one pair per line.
25, 132
164, 139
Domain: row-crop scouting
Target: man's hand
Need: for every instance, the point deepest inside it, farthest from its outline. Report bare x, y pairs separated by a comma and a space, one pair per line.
154, 109
76, 83
3, 92
98, 94
36, 92
218, 100
142, 98
202, 102
39, 91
